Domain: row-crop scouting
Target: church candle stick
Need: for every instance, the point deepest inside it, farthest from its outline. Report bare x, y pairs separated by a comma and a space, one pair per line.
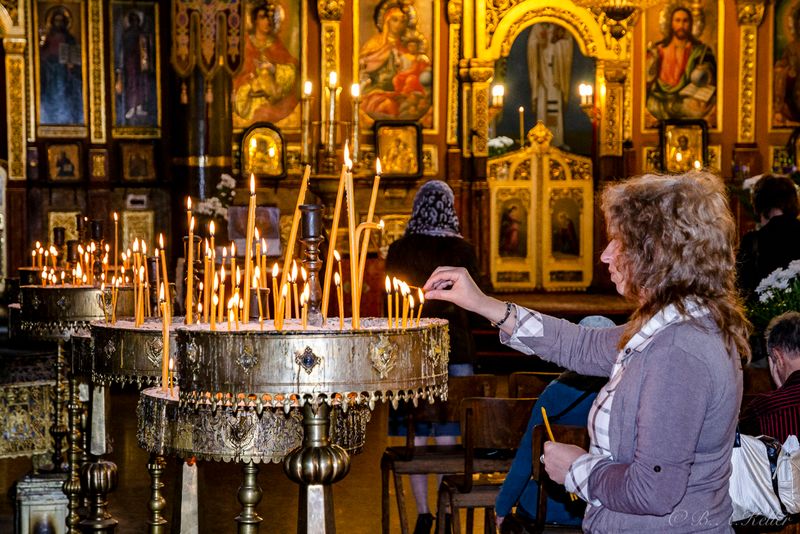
355, 93
305, 118
301, 195
248, 247
263, 262
233, 262
164, 271
211, 231
521, 126
237, 294
388, 302
146, 280
206, 281
116, 234
256, 282
396, 287
411, 310
190, 269
404, 291
370, 214
213, 318
340, 296
421, 297
165, 339
221, 311
171, 372
294, 290
333, 92
337, 210
275, 294
230, 314
351, 227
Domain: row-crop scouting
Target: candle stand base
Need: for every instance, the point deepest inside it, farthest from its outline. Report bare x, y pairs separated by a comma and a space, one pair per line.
249, 496
72, 487
316, 466
328, 164
99, 478
156, 523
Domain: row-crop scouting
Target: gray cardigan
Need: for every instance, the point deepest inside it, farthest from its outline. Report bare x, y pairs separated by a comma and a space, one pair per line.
672, 425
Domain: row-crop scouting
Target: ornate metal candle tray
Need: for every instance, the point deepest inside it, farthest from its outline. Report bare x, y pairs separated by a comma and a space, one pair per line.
124, 353
268, 368
58, 312
229, 434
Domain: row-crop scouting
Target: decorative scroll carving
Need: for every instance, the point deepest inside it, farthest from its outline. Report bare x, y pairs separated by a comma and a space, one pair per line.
455, 10
15, 89
383, 356
480, 116
749, 15
330, 9
611, 120
452, 79
540, 137
217, 49
11, 7
97, 84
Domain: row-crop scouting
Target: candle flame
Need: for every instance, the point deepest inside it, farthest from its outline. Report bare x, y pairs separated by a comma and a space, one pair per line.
285, 290
336, 255
263, 246
307, 87
252, 184
258, 236
355, 90
347, 161
274, 269
521, 109
172, 362
388, 284
333, 78
161, 293
381, 224
378, 167
294, 270
421, 296
411, 301
336, 279
303, 273
144, 248
254, 284
216, 284
233, 249
188, 203
224, 253
238, 275
161, 241
211, 228
191, 225
135, 245
116, 217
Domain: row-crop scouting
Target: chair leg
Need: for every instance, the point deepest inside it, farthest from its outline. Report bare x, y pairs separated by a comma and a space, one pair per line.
489, 521
401, 502
385, 504
455, 517
441, 510
470, 520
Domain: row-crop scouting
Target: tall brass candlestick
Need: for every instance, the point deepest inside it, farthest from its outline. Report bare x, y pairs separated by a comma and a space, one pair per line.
305, 117
355, 92
333, 94
311, 238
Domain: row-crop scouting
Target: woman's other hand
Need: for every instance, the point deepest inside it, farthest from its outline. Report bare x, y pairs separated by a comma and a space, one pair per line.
558, 458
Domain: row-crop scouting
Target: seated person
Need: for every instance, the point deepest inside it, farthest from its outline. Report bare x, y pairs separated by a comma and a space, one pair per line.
567, 400
775, 244
777, 413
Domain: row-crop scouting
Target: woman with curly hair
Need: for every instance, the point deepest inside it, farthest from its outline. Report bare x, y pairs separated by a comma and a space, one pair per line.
662, 429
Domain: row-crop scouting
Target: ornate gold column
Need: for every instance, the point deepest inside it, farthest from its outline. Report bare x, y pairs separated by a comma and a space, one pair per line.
97, 84
611, 77
480, 73
330, 15
454, 12
749, 13
15, 105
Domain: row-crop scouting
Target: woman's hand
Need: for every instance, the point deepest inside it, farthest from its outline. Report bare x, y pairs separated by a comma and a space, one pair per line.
558, 458
454, 284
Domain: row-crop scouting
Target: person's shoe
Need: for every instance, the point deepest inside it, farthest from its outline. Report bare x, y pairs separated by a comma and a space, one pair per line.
424, 524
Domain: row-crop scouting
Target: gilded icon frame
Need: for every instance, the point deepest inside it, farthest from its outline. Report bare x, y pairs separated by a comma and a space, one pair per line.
270, 137
675, 157
124, 8
398, 144
43, 12
138, 162
64, 162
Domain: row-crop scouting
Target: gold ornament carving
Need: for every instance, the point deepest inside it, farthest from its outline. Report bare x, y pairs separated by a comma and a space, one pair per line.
747, 83
97, 87
750, 13
455, 9
15, 87
13, 12
567, 18
330, 47
330, 9
611, 142
540, 137
452, 84
480, 114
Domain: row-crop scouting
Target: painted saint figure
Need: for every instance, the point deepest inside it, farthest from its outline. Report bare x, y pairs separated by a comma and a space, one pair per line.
135, 73
395, 70
786, 91
550, 72
510, 226
61, 96
681, 74
267, 87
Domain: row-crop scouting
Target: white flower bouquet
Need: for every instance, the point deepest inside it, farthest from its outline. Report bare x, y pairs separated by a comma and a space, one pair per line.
777, 293
500, 145
217, 206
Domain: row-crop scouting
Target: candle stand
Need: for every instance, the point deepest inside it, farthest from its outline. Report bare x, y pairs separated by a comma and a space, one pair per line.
57, 314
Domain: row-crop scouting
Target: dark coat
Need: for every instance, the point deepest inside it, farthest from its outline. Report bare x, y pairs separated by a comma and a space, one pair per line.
771, 247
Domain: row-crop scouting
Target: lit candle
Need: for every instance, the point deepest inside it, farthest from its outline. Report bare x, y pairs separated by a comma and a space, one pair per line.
294, 290
340, 296
351, 226
140, 308
248, 247
337, 210
305, 117
215, 303
230, 314
207, 279
521, 126
389, 301
116, 233
333, 91
421, 296
586, 91
411, 307
211, 229
396, 287
404, 291
258, 296
263, 262
498, 94
190, 269
236, 295
146, 280
303, 314
171, 367
275, 295
164, 271
221, 292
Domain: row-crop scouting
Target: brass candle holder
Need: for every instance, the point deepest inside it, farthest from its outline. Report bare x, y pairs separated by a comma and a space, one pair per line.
311, 237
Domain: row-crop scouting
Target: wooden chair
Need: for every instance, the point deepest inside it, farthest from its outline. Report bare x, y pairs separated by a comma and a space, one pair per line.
432, 459
529, 384
574, 435
491, 431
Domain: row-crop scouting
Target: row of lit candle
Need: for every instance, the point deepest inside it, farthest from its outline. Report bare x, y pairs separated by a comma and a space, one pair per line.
398, 295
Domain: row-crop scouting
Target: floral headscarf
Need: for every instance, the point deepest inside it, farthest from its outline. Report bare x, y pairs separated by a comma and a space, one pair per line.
434, 211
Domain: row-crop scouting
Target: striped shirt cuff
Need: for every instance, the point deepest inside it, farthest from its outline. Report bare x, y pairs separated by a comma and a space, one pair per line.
529, 324
577, 480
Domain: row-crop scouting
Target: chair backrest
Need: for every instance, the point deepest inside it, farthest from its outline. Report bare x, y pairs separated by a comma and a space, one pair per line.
458, 387
529, 384
573, 435
492, 428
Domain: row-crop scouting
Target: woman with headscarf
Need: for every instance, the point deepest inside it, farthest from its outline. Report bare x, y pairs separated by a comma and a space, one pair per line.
433, 238
662, 428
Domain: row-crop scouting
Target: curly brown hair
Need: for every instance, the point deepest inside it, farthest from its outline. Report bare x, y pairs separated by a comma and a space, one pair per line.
676, 235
